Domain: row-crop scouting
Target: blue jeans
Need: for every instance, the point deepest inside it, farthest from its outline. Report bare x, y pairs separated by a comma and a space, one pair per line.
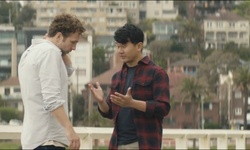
49, 147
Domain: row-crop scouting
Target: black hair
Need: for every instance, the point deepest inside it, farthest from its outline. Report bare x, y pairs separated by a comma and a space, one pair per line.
129, 33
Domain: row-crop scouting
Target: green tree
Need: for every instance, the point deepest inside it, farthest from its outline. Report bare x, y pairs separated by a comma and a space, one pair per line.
1, 101
78, 108
219, 62
182, 7
242, 52
5, 12
146, 26
99, 63
12, 12
160, 49
243, 9
192, 35
8, 113
241, 79
192, 90
25, 17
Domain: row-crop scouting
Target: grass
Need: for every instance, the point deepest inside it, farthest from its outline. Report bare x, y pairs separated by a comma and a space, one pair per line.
10, 145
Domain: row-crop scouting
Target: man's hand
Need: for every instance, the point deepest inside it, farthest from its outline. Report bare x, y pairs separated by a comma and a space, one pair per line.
97, 92
74, 141
122, 100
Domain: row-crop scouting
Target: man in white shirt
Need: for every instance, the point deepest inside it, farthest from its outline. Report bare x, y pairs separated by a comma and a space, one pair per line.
43, 75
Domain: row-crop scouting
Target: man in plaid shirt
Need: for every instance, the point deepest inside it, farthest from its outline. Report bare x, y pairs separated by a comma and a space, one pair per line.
139, 96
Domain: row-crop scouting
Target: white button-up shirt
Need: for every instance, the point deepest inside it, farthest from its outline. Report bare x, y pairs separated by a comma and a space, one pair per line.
43, 80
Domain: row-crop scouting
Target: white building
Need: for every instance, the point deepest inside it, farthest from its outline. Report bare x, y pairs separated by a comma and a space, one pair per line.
82, 61
158, 9
11, 94
225, 27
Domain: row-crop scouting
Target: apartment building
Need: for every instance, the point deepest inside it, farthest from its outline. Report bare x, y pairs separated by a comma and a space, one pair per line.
11, 94
104, 16
164, 30
11, 48
82, 62
224, 27
208, 7
158, 9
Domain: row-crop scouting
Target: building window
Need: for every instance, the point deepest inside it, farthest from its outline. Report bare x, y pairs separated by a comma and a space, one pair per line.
80, 60
17, 90
209, 24
219, 24
237, 94
238, 111
80, 72
232, 35
231, 25
209, 35
7, 91
243, 35
187, 108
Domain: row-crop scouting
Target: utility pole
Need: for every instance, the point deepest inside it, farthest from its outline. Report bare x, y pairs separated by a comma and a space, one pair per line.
77, 76
202, 112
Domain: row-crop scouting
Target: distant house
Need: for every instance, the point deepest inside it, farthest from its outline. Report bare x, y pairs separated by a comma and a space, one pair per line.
180, 115
11, 94
225, 27
187, 66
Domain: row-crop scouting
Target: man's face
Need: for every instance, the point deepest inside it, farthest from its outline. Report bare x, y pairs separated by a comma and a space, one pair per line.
69, 43
129, 53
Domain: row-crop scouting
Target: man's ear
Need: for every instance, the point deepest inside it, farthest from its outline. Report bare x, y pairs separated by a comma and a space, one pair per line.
59, 35
139, 46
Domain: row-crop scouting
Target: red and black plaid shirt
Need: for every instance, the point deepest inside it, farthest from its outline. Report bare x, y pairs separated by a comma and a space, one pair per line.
150, 84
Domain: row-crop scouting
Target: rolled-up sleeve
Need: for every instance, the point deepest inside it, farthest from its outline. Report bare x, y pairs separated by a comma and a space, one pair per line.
70, 70
49, 74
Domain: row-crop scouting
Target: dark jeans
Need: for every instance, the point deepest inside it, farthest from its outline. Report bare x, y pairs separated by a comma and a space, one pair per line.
49, 147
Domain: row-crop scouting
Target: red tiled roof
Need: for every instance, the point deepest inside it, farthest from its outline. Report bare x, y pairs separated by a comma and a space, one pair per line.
105, 78
12, 81
186, 62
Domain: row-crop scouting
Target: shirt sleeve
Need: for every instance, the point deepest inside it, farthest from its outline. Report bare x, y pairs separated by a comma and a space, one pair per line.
160, 105
70, 70
49, 75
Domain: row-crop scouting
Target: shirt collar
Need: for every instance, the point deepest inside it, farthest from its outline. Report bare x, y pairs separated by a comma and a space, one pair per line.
145, 60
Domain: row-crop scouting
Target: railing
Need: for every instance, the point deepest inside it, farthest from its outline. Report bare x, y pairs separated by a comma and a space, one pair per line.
179, 136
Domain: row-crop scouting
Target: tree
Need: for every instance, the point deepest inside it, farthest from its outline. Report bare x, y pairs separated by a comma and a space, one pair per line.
14, 13
242, 52
243, 9
182, 7
99, 63
219, 62
146, 26
7, 113
160, 49
78, 108
192, 90
241, 79
5, 12
192, 35
25, 17
1, 102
